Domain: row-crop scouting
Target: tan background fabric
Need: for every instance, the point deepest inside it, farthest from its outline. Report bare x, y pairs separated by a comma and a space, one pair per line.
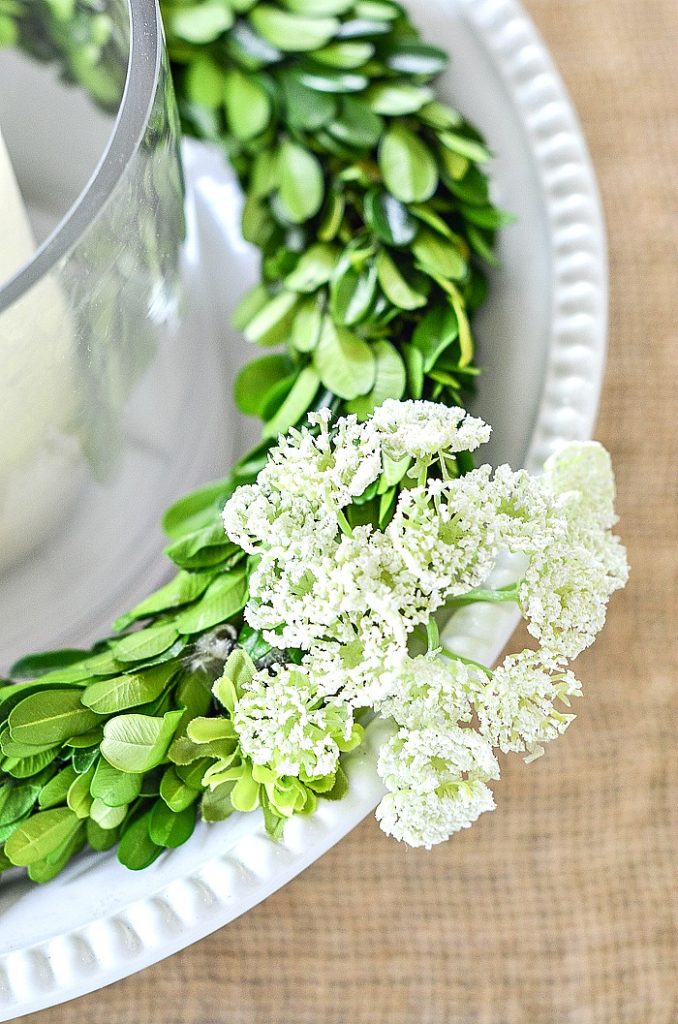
562, 906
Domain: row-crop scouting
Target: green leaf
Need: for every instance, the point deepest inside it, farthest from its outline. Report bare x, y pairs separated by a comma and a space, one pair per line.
356, 125
51, 717
416, 58
315, 268
239, 670
344, 362
83, 760
302, 184
11, 748
330, 81
223, 599
414, 364
95, 665
256, 378
193, 693
107, 818
16, 801
488, 217
40, 835
434, 333
292, 33
137, 743
389, 382
344, 55
468, 148
390, 220
272, 323
307, 325
195, 511
145, 643
100, 839
137, 850
439, 256
113, 695
318, 8
396, 99
26, 767
248, 106
35, 665
171, 828
250, 304
202, 548
204, 82
465, 336
407, 165
45, 870
207, 730
56, 790
202, 22
113, 787
174, 791
216, 804
395, 287
340, 787
79, 798
295, 405
352, 293
306, 109
184, 588
482, 244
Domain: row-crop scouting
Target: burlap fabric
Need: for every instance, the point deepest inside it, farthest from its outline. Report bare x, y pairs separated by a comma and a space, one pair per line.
561, 907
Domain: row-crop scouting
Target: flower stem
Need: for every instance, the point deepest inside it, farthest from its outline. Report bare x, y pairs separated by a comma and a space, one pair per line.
467, 661
499, 596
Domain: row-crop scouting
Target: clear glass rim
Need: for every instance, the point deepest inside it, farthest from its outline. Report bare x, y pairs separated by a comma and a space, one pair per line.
143, 71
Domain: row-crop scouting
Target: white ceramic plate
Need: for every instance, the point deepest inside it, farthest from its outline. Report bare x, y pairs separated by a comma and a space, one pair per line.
543, 341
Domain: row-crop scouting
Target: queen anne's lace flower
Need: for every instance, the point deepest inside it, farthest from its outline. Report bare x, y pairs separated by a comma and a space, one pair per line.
329, 468
516, 708
445, 534
429, 692
291, 524
283, 722
584, 467
424, 429
436, 781
565, 592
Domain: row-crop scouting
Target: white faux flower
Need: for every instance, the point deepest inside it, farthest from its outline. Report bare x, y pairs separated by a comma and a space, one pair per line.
258, 518
426, 819
425, 429
330, 467
446, 534
566, 588
516, 708
436, 781
584, 467
284, 723
429, 692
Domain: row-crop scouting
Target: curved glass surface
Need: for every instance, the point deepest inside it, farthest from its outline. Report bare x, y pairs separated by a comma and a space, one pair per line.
97, 374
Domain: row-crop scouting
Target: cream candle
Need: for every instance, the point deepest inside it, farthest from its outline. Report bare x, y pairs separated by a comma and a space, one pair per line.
39, 456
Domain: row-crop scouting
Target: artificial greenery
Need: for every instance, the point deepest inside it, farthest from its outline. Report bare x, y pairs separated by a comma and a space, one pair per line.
367, 198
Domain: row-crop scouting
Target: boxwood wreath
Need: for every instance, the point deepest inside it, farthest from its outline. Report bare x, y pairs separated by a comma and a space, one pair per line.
309, 582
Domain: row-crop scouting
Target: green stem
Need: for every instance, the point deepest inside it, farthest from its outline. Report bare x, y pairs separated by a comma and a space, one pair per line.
499, 596
467, 661
432, 635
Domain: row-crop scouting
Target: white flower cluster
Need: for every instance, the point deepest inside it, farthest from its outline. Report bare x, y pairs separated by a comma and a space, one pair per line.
349, 598
284, 723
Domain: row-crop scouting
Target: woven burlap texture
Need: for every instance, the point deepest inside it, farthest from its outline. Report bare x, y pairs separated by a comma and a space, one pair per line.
561, 906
